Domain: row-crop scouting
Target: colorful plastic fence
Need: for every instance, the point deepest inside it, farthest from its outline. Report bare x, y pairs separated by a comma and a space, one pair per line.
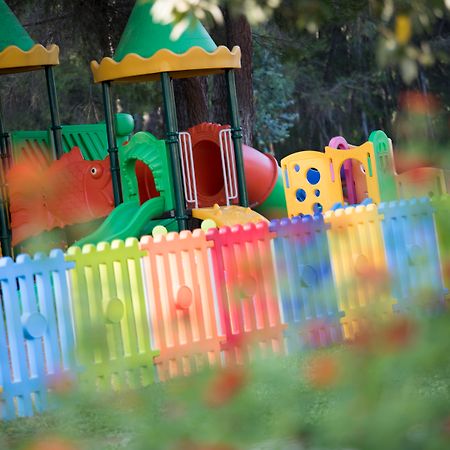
246, 291
181, 301
359, 265
412, 253
126, 314
110, 315
305, 282
36, 336
442, 220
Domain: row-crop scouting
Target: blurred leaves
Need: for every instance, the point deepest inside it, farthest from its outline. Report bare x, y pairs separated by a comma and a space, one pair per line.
389, 389
273, 94
321, 68
184, 13
402, 25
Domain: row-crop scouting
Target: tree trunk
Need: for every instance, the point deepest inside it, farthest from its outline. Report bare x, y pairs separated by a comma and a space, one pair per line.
218, 92
192, 102
239, 33
191, 96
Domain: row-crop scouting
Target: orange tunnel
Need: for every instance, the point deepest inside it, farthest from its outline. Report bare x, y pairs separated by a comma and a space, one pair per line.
262, 172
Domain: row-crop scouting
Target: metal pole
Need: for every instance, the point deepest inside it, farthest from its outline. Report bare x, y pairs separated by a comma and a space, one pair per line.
5, 233
3, 142
54, 112
236, 135
112, 144
174, 149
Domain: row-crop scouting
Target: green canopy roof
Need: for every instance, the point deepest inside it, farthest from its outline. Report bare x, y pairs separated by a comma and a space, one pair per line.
147, 50
145, 37
18, 52
11, 31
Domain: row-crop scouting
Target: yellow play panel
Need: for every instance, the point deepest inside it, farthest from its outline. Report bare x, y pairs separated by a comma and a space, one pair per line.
228, 215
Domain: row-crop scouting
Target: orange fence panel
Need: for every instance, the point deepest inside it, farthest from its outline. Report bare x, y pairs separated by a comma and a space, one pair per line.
180, 296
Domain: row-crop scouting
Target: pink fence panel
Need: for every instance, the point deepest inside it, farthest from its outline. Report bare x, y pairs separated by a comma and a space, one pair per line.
246, 289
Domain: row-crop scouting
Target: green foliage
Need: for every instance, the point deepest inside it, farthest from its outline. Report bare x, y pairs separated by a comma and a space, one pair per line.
338, 66
273, 93
390, 389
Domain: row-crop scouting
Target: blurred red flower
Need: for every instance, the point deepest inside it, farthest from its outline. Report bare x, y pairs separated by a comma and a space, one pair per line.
323, 371
225, 386
53, 443
399, 333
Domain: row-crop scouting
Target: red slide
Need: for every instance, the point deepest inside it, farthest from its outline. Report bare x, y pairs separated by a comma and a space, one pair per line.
262, 173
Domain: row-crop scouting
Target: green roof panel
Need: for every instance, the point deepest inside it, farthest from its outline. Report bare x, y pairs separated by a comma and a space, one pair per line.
11, 31
145, 37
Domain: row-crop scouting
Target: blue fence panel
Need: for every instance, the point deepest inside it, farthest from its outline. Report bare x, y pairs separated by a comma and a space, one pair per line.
412, 254
305, 280
36, 336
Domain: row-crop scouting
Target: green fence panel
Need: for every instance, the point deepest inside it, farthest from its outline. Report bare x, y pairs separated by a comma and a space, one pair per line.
110, 315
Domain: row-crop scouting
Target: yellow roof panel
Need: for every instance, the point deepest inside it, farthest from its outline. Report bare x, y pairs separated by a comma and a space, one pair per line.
196, 61
13, 59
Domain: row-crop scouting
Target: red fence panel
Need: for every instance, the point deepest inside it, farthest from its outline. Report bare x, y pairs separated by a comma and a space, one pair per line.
247, 298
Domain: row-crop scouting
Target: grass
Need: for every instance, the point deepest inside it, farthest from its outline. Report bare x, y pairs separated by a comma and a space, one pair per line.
389, 390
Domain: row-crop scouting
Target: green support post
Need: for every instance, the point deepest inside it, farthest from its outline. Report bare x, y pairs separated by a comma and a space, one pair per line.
5, 236
54, 112
174, 149
236, 135
112, 144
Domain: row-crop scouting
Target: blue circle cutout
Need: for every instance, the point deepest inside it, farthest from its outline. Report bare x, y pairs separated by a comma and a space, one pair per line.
317, 208
301, 195
297, 168
317, 193
313, 176
34, 325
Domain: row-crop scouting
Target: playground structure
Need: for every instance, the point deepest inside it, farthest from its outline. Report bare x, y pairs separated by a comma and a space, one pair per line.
314, 181
141, 170
163, 306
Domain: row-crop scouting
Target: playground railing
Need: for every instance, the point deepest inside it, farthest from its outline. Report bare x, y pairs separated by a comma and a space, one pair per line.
125, 314
36, 336
228, 165
245, 278
188, 169
305, 282
181, 302
110, 315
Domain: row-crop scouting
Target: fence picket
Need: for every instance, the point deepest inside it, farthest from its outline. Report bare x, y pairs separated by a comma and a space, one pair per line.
248, 305
110, 314
181, 302
305, 282
35, 332
359, 266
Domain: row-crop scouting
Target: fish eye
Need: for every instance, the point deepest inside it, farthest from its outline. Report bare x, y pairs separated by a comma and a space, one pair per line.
96, 172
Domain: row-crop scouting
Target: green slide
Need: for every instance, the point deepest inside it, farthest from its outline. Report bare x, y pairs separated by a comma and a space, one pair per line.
127, 220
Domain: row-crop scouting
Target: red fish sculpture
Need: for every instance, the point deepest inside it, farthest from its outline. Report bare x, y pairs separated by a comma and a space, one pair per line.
66, 192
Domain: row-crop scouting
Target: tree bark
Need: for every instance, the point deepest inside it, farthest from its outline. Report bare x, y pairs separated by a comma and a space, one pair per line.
239, 33
218, 86
192, 102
